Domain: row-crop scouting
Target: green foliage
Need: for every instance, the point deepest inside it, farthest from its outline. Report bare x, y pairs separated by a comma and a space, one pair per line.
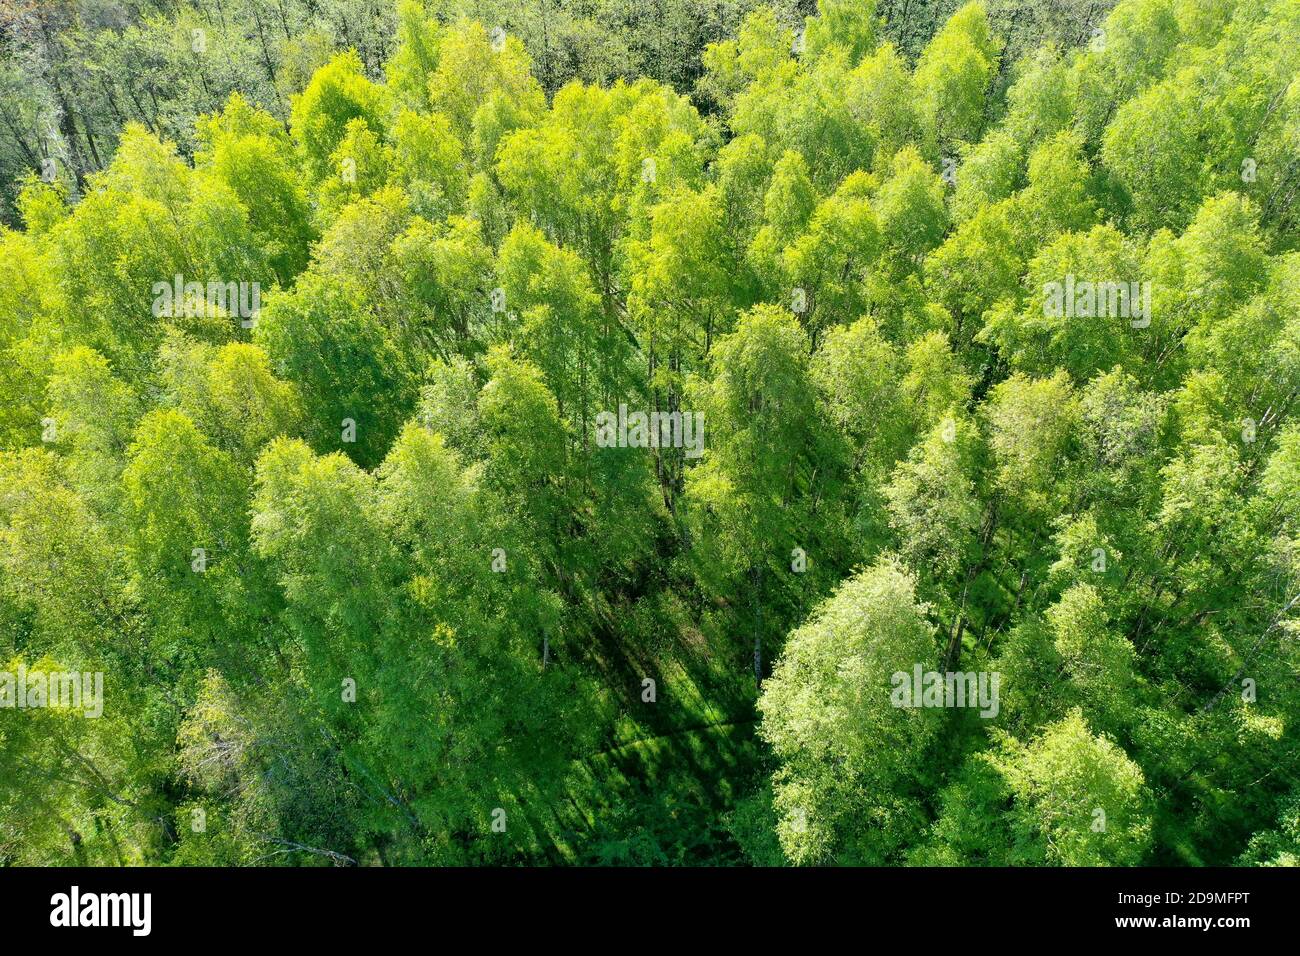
826, 707
627, 404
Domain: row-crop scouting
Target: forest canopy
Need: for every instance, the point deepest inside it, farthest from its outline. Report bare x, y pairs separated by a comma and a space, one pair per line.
589, 433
